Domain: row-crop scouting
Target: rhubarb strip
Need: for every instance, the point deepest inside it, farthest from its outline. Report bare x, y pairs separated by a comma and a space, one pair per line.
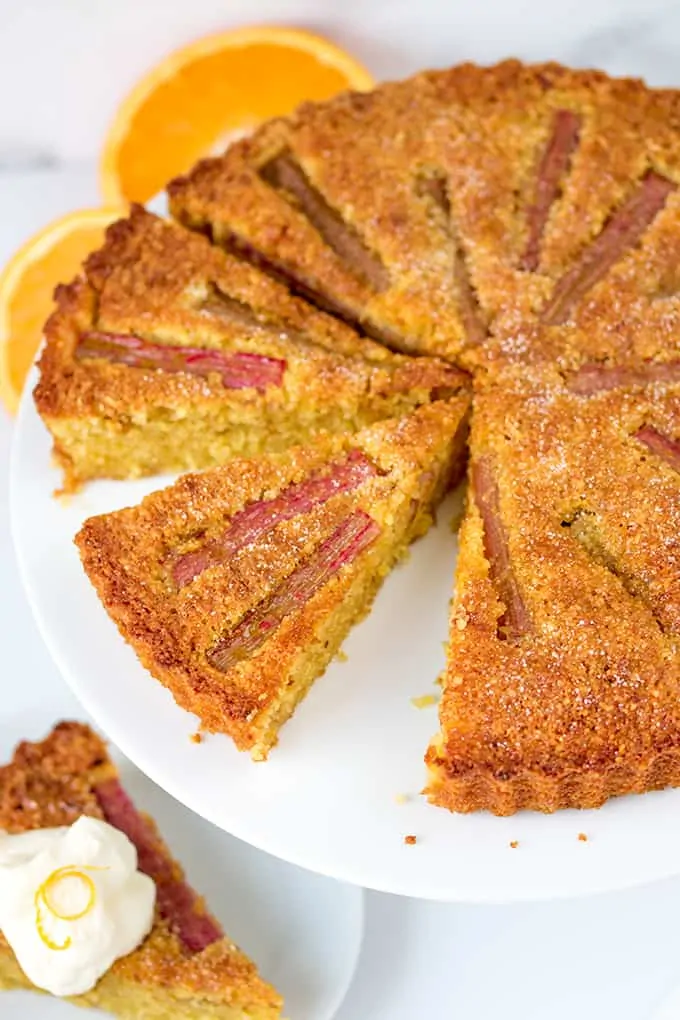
350, 538
661, 445
240, 370
584, 529
515, 621
283, 274
594, 378
177, 902
435, 188
233, 312
284, 173
253, 522
468, 306
622, 231
551, 170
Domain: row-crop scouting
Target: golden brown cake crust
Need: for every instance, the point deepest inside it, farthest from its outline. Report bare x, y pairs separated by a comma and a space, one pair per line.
52, 783
480, 131
581, 701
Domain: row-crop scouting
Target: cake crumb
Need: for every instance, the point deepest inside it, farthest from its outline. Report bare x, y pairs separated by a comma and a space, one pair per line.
582, 837
342, 656
402, 798
410, 840
424, 701
457, 518
197, 737
514, 843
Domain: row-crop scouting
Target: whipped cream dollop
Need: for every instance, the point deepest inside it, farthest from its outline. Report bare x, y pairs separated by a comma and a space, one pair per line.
72, 902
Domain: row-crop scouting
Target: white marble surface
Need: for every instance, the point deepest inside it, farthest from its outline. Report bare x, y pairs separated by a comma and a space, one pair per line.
65, 64
611, 956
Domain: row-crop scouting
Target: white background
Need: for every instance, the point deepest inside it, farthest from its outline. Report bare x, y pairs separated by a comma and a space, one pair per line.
64, 65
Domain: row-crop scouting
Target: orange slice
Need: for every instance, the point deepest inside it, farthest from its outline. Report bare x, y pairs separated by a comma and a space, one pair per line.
211, 91
27, 283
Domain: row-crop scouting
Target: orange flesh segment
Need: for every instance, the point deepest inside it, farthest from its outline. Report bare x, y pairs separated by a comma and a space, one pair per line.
29, 300
188, 114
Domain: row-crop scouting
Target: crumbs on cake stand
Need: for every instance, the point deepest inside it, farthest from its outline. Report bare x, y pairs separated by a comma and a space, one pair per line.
424, 700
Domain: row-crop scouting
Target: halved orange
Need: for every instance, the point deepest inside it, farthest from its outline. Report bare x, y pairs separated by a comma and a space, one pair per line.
213, 90
27, 282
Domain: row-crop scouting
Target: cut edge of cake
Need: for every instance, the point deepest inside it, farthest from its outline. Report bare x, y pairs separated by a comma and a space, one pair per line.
168, 354
331, 557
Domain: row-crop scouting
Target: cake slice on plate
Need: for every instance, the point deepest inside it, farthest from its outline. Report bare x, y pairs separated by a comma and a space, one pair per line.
169, 354
185, 967
563, 680
236, 587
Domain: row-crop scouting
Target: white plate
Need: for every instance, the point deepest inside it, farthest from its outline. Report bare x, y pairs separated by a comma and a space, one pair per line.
303, 930
327, 798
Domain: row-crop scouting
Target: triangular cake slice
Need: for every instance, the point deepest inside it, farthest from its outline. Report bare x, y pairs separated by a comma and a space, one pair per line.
562, 686
186, 967
345, 202
236, 587
169, 354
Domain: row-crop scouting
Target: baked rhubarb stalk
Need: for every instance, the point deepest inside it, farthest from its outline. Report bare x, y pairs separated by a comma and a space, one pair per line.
562, 684
550, 174
285, 173
170, 355
255, 520
177, 903
185, 967
660, 445
237, 586
349, 539
621, 232
239, 370
434, 187
515, 620
596, 378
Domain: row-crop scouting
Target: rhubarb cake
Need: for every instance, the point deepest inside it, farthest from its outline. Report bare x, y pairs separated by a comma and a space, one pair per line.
433, 211
563, 679
237, 586
519, 223
169, 354
186, 967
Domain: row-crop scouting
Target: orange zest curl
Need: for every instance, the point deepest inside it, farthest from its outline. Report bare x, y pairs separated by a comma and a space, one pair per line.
42, 901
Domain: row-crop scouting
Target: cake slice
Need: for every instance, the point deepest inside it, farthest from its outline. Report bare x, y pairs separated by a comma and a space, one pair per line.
345, 202
236, 587
562, 686
186, 967
169, 354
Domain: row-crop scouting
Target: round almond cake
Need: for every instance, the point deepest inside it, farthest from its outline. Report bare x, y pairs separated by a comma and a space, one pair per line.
473, 266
